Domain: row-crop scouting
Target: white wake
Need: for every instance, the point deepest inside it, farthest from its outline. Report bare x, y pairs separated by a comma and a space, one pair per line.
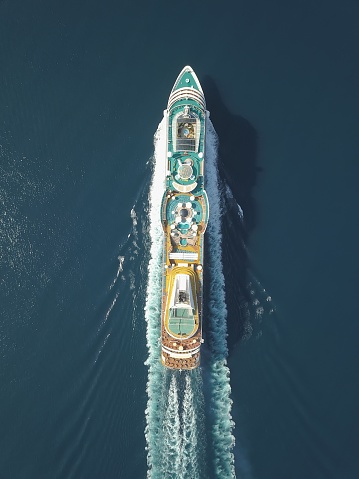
221, 403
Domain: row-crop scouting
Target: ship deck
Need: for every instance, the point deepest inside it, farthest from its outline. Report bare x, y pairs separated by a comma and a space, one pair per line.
184, 216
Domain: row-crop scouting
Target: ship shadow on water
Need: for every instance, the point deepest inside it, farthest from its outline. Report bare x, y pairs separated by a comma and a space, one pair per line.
237, 152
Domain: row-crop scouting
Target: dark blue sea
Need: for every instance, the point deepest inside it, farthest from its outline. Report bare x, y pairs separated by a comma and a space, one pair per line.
83, 86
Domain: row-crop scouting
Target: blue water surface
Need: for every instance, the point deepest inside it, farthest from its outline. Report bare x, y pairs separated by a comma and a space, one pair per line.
82, 89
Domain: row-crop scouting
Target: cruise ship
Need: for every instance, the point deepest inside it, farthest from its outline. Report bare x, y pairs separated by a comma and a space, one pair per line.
184, 217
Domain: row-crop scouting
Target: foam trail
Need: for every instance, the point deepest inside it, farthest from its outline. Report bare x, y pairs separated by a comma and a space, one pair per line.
220, 390
121, 259
134, 230
229, 195
191, 449
133, 250
240, 211
172, 447
108, 311
156, 375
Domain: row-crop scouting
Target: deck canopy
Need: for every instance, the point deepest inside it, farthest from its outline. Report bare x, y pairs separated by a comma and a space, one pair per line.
186, 130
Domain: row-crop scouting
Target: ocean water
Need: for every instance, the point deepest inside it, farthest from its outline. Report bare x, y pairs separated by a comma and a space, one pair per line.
82, 90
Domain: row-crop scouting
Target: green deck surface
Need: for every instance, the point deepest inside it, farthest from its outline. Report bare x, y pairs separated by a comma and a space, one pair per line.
182, 83
182, 323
